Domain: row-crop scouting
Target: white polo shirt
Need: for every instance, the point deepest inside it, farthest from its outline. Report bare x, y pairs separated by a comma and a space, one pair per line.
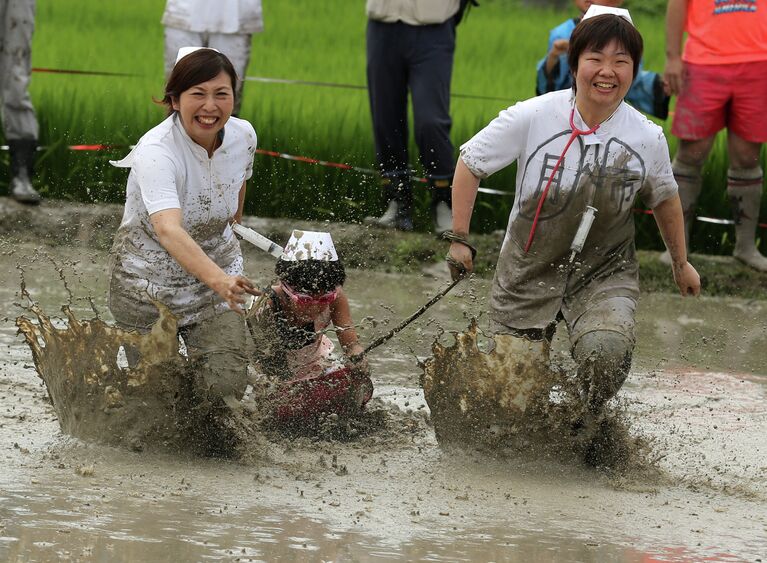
170, 171
627, 156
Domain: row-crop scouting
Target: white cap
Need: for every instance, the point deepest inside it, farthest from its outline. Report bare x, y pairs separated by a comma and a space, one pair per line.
184, 51
309, 245
595, 10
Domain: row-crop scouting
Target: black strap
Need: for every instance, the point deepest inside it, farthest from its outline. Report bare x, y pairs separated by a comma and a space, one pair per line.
463, 10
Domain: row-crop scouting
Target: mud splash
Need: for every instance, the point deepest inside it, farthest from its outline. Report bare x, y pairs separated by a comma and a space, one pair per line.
504, 395
157, 403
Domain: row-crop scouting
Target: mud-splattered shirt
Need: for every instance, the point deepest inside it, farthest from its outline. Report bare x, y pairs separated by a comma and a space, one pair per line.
627, 156
170, 171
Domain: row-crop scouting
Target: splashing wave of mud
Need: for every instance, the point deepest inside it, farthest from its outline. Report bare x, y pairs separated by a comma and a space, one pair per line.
154, 403
512, 400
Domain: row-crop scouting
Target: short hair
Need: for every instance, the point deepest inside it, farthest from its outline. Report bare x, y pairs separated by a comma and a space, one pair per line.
596, 32
311, 276
195, 68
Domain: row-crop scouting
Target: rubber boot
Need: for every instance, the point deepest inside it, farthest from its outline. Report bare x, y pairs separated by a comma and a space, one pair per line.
604, 360
22, 152
398, 195
690, 181
744, 188
441, 205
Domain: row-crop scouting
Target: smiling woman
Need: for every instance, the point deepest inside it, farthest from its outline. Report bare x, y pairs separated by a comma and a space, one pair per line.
604, 62
175, 244
579, 198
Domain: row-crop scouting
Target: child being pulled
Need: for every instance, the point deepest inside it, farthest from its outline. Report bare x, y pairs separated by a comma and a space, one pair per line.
288, 323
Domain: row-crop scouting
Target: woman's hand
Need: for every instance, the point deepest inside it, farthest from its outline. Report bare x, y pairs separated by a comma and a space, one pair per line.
356, 360
232, 289
687, 279
459, 260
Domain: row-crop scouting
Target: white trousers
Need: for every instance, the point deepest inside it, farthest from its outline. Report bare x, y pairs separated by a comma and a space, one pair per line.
236, 46
17, 23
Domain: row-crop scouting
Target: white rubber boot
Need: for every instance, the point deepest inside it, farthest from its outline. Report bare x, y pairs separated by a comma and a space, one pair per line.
388, 220
744, 187
22, 153
22, 190
443, 218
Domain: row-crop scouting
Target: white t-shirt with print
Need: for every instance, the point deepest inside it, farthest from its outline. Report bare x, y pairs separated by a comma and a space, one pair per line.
170, 171
626, 157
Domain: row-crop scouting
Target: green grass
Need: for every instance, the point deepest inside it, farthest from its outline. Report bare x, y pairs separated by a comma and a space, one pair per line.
496, 54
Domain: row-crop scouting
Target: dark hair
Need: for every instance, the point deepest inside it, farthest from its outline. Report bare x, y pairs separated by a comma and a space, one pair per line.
594, 33
195, 68
311, 276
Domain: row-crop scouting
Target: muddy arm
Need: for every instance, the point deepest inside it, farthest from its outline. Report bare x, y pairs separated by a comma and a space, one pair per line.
668, 216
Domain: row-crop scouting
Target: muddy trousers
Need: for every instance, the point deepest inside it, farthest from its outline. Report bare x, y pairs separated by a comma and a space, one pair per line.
604, 360
17, 23
419, 59
218, 350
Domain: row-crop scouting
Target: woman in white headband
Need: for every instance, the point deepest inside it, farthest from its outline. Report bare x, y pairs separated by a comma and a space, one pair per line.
583, 155
175, 245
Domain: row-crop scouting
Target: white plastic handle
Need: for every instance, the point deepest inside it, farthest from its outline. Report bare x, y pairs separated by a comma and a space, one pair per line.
258, 240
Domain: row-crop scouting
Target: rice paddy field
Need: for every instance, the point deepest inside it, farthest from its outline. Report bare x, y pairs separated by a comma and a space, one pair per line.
306, 40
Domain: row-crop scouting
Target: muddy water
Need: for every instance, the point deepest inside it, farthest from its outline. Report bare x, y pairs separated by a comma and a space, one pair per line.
697, 393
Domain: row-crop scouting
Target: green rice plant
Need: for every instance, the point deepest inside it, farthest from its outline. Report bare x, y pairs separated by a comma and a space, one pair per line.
497, 49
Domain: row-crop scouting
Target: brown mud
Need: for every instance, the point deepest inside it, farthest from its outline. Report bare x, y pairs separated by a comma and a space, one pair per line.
383, 487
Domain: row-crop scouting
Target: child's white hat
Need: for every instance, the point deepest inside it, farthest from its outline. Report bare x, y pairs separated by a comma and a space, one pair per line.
595, 10
309, 245
184, 51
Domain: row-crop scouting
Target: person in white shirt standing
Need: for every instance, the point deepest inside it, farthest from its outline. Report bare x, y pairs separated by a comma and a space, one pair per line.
225, 25
175, 243
583, 155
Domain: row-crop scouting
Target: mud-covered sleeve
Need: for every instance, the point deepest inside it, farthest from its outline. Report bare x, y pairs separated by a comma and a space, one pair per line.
498, 144
252, 140
659, 184
155, 171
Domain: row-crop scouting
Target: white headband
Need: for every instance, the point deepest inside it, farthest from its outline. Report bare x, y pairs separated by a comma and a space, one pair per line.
595, 10
184, 51
309, 245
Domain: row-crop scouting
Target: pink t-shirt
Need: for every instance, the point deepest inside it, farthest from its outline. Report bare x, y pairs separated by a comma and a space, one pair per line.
726, 31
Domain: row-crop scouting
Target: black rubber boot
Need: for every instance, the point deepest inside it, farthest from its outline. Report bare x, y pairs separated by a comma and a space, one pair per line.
22, 152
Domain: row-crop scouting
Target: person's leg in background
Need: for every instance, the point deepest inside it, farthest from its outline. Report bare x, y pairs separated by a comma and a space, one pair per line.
236, 46
175, 39
387, 90
17, 24
431, 68
745, 182
701, 111
746, 131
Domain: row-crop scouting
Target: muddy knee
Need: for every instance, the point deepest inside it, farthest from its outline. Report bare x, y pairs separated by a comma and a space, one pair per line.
604, 360
224, 374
